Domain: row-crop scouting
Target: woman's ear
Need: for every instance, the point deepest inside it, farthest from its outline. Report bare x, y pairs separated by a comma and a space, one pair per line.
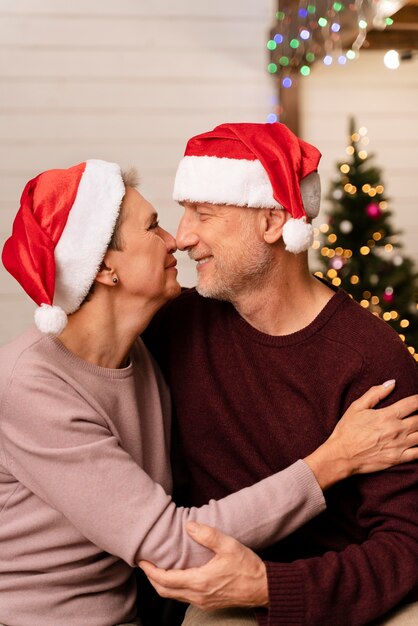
274, 220
106, 273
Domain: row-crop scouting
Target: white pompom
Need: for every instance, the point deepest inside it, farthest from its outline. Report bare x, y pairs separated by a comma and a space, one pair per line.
297, 235
50, 319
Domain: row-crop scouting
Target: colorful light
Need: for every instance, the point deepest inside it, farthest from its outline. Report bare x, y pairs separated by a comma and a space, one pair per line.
388, 294
337, 263
272, 118
287, 82
306, 18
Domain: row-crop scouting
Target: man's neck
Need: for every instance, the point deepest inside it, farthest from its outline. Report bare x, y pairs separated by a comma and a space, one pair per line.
287, 303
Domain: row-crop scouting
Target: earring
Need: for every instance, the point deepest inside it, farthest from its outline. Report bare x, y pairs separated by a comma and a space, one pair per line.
114, 280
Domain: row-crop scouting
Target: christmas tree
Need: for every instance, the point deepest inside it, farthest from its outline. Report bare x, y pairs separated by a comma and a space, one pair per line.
359, 249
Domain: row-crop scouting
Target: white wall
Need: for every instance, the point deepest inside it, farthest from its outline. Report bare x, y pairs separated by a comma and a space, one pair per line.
125, 80
386, 103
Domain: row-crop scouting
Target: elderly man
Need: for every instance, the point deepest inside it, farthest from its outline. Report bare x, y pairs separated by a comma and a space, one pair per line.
262, 359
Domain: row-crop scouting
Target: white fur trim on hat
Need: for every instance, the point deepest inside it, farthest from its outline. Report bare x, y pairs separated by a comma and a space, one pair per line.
50, 319
89, 228
297, 235
220, 180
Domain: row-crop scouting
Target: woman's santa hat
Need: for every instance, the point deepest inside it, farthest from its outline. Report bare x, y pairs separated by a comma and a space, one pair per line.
60, 236
254, 165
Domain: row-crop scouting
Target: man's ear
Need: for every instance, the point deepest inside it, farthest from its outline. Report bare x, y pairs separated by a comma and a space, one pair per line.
274, 220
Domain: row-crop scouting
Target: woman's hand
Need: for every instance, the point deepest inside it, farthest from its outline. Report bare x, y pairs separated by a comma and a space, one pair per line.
368, 440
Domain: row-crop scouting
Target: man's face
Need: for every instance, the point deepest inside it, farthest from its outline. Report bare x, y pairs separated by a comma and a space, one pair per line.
232, 257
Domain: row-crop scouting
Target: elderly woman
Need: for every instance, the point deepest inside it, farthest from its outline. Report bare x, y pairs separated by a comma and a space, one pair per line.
84, 427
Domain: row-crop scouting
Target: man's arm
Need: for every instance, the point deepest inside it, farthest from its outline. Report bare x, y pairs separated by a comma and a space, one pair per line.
363, 441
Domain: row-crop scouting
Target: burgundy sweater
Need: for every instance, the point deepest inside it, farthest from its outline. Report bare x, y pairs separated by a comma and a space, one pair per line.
248, 404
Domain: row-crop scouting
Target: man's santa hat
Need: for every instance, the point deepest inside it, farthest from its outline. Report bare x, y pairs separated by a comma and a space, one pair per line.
254, 165
60, 236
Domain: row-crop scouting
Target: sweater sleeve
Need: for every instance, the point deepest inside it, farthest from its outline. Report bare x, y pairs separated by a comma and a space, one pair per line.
70, 459
363, 581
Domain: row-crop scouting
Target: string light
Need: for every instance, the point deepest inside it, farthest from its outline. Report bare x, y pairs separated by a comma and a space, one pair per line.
304, 32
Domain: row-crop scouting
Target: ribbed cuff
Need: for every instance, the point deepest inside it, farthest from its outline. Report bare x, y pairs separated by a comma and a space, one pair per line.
286, 596
304, 478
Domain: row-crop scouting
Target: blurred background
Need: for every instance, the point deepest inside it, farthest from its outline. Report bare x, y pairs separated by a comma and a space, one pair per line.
130, 81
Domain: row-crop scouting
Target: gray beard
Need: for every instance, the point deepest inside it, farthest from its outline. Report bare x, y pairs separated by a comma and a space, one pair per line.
234, 283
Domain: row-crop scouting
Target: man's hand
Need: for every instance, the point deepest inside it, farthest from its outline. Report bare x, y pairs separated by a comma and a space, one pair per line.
367, 440
235, 576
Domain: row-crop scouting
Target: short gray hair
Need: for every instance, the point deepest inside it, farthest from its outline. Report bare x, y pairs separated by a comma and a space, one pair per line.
130, 178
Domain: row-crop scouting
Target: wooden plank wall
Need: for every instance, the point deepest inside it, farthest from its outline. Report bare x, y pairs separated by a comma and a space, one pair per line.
386, 103
127, 81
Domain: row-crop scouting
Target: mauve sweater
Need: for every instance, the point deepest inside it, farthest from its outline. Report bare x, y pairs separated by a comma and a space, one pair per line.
80, 449
258, 402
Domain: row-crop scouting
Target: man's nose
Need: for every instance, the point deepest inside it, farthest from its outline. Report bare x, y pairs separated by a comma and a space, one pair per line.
186, 235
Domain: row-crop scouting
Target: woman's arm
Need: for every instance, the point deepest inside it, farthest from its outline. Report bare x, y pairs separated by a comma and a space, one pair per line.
73, 462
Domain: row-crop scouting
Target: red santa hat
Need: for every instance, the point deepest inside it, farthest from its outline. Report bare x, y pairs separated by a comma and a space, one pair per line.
60, 235
254, 165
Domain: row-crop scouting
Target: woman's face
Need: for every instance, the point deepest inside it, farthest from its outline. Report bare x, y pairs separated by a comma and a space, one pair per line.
145, 266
